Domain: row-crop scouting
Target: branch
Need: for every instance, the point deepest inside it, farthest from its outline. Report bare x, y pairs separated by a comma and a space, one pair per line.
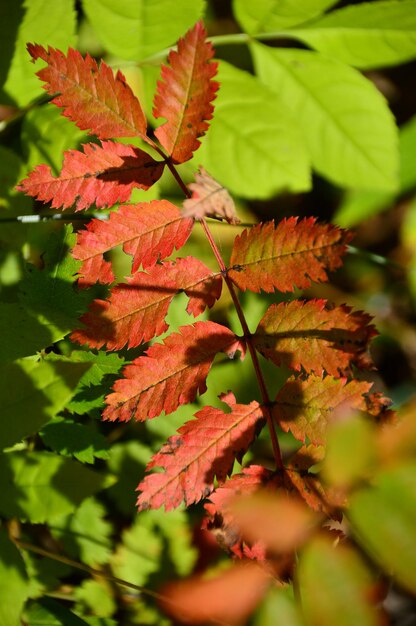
247, 334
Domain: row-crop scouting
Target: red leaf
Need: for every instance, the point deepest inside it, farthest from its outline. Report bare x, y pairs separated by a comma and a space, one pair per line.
204, 448
305, 407
184, 95
229, 598
306, 334
101, 175
90, 95
209, 199
308, 484
149, 231
171, 374
293, 254
136, 310
220, 518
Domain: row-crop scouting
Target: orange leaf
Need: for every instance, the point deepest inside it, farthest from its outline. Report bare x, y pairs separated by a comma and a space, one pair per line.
101, 175
228, 599
149, 231
184, 95
292, 254
203, 448
309, 335
305, 407
90, 95
308, 484
136, 310
171, 374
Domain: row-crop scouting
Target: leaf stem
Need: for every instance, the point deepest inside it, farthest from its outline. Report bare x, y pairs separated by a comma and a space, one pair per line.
247, 334
99, 573
85, 568
229, 39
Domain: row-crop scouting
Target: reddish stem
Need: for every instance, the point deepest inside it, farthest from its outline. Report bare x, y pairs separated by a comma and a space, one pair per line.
247, 334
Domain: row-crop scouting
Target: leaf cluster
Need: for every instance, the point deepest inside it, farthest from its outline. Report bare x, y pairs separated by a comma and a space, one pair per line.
276, 467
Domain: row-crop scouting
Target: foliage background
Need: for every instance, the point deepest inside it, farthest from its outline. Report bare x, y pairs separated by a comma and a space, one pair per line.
296, 132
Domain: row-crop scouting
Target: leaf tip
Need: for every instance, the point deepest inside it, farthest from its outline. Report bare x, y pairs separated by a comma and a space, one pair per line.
36, 51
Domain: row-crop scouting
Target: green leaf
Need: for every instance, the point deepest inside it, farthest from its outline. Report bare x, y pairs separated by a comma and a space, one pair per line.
127, 461
13, 582
135, 29
32, 391
12, 171
97, 598
40, 487
279, 607
155, 535
25, 335
138, 557
350, 454
368, 35
46, 135
69, 438
85, 534
360, 205
11, 14
49, 305
382, 518
253, 147
348, 128
334, 583
49, 292
177, 534
93, 386
46, 23
44, 574
268, 16
48, 612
